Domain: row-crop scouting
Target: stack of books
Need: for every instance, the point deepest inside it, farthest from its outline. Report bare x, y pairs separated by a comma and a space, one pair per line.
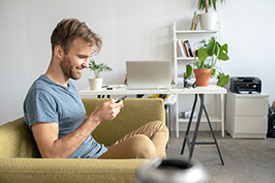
184, 48
195, 21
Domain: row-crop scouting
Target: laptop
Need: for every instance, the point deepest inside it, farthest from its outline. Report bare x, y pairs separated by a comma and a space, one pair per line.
148, 74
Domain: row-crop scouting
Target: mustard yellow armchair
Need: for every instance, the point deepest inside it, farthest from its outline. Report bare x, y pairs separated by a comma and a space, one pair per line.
20, 160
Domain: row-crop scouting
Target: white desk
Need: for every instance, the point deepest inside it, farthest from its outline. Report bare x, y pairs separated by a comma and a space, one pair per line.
211, 89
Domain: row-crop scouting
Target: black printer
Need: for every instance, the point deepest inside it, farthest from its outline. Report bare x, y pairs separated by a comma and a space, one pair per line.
245, 85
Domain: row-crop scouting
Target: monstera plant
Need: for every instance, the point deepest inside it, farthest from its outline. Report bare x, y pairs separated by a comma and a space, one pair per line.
208, 56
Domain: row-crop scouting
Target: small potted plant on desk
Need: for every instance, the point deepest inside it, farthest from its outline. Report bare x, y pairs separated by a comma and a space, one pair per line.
96, 83
205, 66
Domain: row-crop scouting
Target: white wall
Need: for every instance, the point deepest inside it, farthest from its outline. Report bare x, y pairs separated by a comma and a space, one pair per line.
130, 30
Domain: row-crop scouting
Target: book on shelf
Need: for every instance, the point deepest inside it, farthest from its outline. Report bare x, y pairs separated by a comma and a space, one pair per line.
184, 49
188, 48
178, 49
181, 50
194, 21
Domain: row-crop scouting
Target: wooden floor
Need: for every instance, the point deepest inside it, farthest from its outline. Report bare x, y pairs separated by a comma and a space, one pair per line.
246, 160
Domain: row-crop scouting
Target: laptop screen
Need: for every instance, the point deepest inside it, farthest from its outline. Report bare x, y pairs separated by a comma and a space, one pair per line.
148, 74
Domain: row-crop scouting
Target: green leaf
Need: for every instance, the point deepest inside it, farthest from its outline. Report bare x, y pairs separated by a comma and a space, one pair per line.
214, 4
222, 79
201, 4
188, 70
217, 49
211, 46
213, 72
223, 53
202, 54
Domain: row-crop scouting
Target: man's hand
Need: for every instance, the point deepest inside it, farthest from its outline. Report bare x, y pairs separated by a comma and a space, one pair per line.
106, 111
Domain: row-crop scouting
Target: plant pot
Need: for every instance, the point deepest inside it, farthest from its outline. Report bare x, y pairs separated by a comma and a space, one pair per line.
202, 76
208, 20
95, 83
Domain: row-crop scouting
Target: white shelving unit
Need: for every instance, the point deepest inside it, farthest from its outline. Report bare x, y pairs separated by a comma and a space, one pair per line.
195, 36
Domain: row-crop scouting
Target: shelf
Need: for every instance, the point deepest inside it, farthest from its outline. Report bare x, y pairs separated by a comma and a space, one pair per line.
203, 119
186, 58
189, 58
196, 31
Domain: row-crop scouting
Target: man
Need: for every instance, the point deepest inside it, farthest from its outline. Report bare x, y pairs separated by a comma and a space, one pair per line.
55, 114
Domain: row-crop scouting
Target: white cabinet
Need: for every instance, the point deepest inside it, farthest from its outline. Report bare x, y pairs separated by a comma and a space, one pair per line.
246, 115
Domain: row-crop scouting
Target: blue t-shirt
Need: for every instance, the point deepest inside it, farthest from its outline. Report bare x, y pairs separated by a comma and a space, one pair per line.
49, 102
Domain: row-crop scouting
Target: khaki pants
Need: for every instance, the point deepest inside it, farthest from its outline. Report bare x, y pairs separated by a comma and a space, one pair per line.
148, 141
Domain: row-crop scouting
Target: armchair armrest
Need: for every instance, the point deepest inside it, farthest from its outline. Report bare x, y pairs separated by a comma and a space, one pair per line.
135, 113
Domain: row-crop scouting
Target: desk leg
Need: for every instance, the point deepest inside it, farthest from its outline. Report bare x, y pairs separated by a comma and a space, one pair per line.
177, 116
196, 129
210, 126
189, 125
167, 115
170, 116
222, 113
193, 143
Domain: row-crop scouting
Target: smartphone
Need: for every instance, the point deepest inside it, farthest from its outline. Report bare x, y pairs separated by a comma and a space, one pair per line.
121, 98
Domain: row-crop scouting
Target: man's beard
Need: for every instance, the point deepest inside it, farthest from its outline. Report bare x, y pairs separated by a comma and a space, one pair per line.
67, 69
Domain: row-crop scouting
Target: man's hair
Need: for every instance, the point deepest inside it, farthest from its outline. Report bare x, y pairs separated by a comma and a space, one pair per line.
69, 29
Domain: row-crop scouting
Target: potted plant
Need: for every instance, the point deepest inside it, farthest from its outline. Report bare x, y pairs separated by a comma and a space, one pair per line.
208, 55
96, 83
208, 20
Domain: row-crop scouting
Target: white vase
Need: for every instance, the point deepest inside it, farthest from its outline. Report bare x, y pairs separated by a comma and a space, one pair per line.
208, 20
96, 83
